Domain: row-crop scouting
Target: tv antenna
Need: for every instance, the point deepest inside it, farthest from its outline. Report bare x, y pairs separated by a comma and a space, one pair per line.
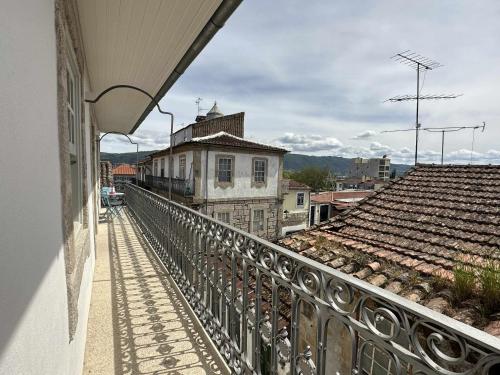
418, 63
447, 129
198, 102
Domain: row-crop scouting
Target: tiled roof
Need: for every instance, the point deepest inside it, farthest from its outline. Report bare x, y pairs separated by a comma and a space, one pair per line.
296, 185
226, 139
124, 169
414, 231
331, 196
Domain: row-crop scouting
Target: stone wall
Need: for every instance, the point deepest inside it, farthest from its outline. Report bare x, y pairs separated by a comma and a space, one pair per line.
106, 174
241, 214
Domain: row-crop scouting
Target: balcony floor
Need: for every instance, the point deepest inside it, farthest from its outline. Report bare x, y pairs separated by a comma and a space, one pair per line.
139, 323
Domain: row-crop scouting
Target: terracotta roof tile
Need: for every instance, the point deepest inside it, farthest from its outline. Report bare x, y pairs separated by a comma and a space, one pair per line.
296, 185
417, 229
124, 169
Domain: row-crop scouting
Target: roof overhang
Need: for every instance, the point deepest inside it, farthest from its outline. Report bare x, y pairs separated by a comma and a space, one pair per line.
147, 44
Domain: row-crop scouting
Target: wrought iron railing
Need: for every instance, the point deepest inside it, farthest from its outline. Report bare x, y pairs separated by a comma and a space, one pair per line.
180, 186
271, 311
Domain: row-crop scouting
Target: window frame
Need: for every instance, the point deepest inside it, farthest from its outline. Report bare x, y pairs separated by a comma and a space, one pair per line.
225, 213
298, 205
254, 182
182, 167
162, 167
155, 167
262, 226
224, 184
73, 104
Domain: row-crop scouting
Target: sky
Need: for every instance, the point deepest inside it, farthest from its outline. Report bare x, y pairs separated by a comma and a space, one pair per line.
313, 77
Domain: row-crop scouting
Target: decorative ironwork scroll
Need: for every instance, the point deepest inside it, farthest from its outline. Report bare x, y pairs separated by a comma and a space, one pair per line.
269, 310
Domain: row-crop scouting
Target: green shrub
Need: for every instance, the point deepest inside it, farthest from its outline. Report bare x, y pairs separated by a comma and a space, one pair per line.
489, 278
465, 281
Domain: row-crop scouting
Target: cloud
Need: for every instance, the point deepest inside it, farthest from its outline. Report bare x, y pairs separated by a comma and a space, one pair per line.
338, 96
365, 135
147, 140
311, 143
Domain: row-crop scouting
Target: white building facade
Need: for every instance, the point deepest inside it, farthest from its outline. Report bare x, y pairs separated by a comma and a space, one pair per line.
224, 175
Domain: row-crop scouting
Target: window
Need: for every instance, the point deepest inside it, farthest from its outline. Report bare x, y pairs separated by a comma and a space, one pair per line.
182, 167
258, 220
225, 170
155, 172
259, 170
225, 217
300, 199
162, 167
75, 141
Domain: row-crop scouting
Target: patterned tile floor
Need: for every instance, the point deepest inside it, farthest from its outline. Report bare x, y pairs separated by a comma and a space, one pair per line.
139, 324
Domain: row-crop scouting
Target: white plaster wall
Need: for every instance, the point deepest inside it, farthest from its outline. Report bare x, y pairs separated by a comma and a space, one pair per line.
189, 161
242, 177
34, 335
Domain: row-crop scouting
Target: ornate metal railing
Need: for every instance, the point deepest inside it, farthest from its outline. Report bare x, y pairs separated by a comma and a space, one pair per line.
181, 187
271, 311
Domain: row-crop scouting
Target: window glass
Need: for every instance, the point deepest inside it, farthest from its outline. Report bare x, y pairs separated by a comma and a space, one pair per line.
258, 220
224, 217
300, 199
162, 167
225, 170
259, 170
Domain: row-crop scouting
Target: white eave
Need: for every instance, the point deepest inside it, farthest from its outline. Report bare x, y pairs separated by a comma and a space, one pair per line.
145, 43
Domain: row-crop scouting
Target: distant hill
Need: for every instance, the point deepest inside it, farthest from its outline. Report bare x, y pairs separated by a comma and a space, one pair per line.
124, 158
338, 165
293, 162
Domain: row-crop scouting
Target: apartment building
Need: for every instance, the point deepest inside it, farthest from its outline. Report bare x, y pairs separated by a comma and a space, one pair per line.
215, 170
375, 168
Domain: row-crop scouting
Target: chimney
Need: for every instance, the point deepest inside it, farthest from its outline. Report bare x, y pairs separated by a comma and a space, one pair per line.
200, 118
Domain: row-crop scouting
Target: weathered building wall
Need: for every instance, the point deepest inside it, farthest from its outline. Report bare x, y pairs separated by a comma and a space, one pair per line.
242, 172
43, 325
297, 217
241, 214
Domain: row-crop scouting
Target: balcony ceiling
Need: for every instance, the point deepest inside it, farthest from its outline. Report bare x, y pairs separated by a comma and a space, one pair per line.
137, 43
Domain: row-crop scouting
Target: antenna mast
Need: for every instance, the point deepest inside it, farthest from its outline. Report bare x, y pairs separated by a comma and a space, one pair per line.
198, 101
418, 63
447, 129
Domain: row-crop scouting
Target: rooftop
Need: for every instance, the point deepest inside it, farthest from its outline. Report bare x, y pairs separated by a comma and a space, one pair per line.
331, 196
409, 237
225, 140
295, 185
124, 169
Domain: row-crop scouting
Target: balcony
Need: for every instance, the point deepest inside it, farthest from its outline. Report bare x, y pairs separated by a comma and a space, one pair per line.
184, 188
264, 309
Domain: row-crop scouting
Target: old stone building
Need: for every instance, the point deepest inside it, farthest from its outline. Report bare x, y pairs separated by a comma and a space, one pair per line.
218, 172
106, 173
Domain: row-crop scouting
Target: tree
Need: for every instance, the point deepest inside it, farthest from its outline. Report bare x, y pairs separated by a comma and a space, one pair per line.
316, 178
